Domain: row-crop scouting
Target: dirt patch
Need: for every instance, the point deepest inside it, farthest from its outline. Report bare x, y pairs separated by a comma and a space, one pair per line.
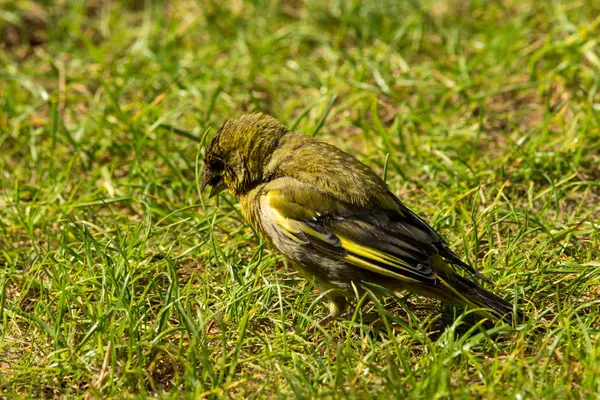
29, 27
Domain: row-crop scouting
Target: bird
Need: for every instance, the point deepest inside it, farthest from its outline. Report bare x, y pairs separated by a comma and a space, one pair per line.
336, 220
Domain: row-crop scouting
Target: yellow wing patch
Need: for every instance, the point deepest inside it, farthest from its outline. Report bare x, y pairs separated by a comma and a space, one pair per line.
370, 254
289, 226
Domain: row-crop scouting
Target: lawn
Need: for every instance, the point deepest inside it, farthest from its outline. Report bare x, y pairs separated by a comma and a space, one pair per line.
120, 278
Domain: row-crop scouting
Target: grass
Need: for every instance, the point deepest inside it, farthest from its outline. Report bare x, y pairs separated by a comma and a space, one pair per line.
120, 279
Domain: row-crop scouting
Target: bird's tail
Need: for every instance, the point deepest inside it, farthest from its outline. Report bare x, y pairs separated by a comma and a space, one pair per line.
456, 289
474, 295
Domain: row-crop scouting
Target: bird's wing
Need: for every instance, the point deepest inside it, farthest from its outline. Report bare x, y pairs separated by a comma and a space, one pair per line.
341, 177
389, 245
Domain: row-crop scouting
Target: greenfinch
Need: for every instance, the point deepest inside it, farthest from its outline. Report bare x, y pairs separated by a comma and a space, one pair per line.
335, 219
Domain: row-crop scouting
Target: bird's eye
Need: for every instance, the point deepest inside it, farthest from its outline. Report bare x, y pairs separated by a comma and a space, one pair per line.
216, 165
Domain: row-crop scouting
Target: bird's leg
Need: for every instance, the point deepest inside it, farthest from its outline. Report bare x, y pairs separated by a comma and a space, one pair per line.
336, 309
348, 313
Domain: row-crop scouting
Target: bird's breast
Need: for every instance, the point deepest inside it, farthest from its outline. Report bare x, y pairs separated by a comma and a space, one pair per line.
251, 210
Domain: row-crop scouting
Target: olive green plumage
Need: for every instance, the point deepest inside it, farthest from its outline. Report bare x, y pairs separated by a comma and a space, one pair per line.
334, 218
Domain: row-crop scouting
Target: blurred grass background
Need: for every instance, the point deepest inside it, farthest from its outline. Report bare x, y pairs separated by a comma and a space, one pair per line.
119, 279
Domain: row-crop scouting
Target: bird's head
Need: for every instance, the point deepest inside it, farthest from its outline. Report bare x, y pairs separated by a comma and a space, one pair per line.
237, 155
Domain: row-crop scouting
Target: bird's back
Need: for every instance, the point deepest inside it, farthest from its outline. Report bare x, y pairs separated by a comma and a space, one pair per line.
331, 171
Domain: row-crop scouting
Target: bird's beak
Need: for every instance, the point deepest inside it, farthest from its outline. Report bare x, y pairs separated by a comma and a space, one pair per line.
215, 190
215, 180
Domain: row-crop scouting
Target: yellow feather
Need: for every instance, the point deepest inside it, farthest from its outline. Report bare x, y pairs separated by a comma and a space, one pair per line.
366, 252
290, 226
